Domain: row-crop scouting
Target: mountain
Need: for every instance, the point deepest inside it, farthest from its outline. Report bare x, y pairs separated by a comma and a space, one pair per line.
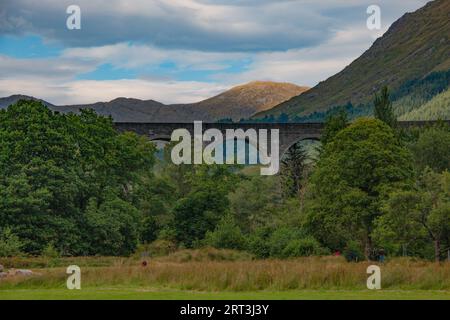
246, 100
415, 46
5, 102
239, 102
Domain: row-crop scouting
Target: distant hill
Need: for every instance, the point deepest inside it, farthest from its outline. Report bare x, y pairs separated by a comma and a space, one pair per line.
415, 46
5, 102
246, 100
239, 102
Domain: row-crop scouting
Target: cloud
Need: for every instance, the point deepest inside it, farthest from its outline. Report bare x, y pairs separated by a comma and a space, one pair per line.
50, 69
310, 65
89, 91
125, 55
184, 50
54, 78
180, 24
221, 26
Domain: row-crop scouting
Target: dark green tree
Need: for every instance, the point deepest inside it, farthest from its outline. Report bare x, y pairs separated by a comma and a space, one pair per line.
422, 213
383, 108
333, 124
253, 201
432, 149
113, 227
204, 206
355, 172
293, 170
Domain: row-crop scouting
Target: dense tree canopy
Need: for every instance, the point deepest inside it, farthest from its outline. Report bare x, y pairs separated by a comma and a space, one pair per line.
69, 180
432, 149
72, 185
355, 172
419, 215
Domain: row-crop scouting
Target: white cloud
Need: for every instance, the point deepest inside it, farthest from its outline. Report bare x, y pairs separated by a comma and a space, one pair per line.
310, 65
50, 69
89, 91
124, 55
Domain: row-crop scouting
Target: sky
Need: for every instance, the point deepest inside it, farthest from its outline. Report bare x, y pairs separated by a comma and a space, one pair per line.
179, 51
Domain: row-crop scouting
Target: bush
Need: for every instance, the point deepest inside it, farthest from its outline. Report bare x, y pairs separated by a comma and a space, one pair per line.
303, 247
161, 248
10, 244
150, 229
227, 235
258, 242
353, 251
167, 233
284, 242
50, 251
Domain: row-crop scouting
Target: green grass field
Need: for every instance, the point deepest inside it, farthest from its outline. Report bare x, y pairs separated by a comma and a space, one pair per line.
158, 294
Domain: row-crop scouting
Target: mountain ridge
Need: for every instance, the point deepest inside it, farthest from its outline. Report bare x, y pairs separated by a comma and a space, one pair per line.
239, 102
414, 46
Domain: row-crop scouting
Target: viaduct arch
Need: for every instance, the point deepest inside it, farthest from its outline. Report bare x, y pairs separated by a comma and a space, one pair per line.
290, 133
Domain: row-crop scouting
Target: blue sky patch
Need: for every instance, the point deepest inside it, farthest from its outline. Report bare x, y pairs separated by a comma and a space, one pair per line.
30, 46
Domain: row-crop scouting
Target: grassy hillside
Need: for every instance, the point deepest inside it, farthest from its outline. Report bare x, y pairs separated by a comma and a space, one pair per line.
245, 100
415, 46
437, 108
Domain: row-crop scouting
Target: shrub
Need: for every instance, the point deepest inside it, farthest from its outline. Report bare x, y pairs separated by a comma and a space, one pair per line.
227, 235
258, 244
353, 251
284, 242
161, 248
50, 251
303, 247
10, 244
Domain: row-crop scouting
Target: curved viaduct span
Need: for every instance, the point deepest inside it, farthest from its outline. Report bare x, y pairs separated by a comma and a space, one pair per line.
289, 133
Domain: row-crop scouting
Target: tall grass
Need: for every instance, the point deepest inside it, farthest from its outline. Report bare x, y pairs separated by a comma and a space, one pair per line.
49, 262
312, 273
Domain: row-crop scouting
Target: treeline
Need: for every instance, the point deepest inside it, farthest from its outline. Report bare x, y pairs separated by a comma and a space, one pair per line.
435, 109
373, 189
71, 184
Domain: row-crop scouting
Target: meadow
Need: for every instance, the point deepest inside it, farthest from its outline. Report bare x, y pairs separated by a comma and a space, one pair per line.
224, 274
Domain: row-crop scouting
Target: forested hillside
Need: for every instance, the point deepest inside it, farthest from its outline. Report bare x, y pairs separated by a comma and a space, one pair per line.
436, 109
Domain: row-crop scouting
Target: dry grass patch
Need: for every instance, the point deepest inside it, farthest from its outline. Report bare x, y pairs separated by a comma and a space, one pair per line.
313, 273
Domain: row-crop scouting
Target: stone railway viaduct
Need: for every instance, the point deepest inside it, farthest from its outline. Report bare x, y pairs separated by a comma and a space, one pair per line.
290, 133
